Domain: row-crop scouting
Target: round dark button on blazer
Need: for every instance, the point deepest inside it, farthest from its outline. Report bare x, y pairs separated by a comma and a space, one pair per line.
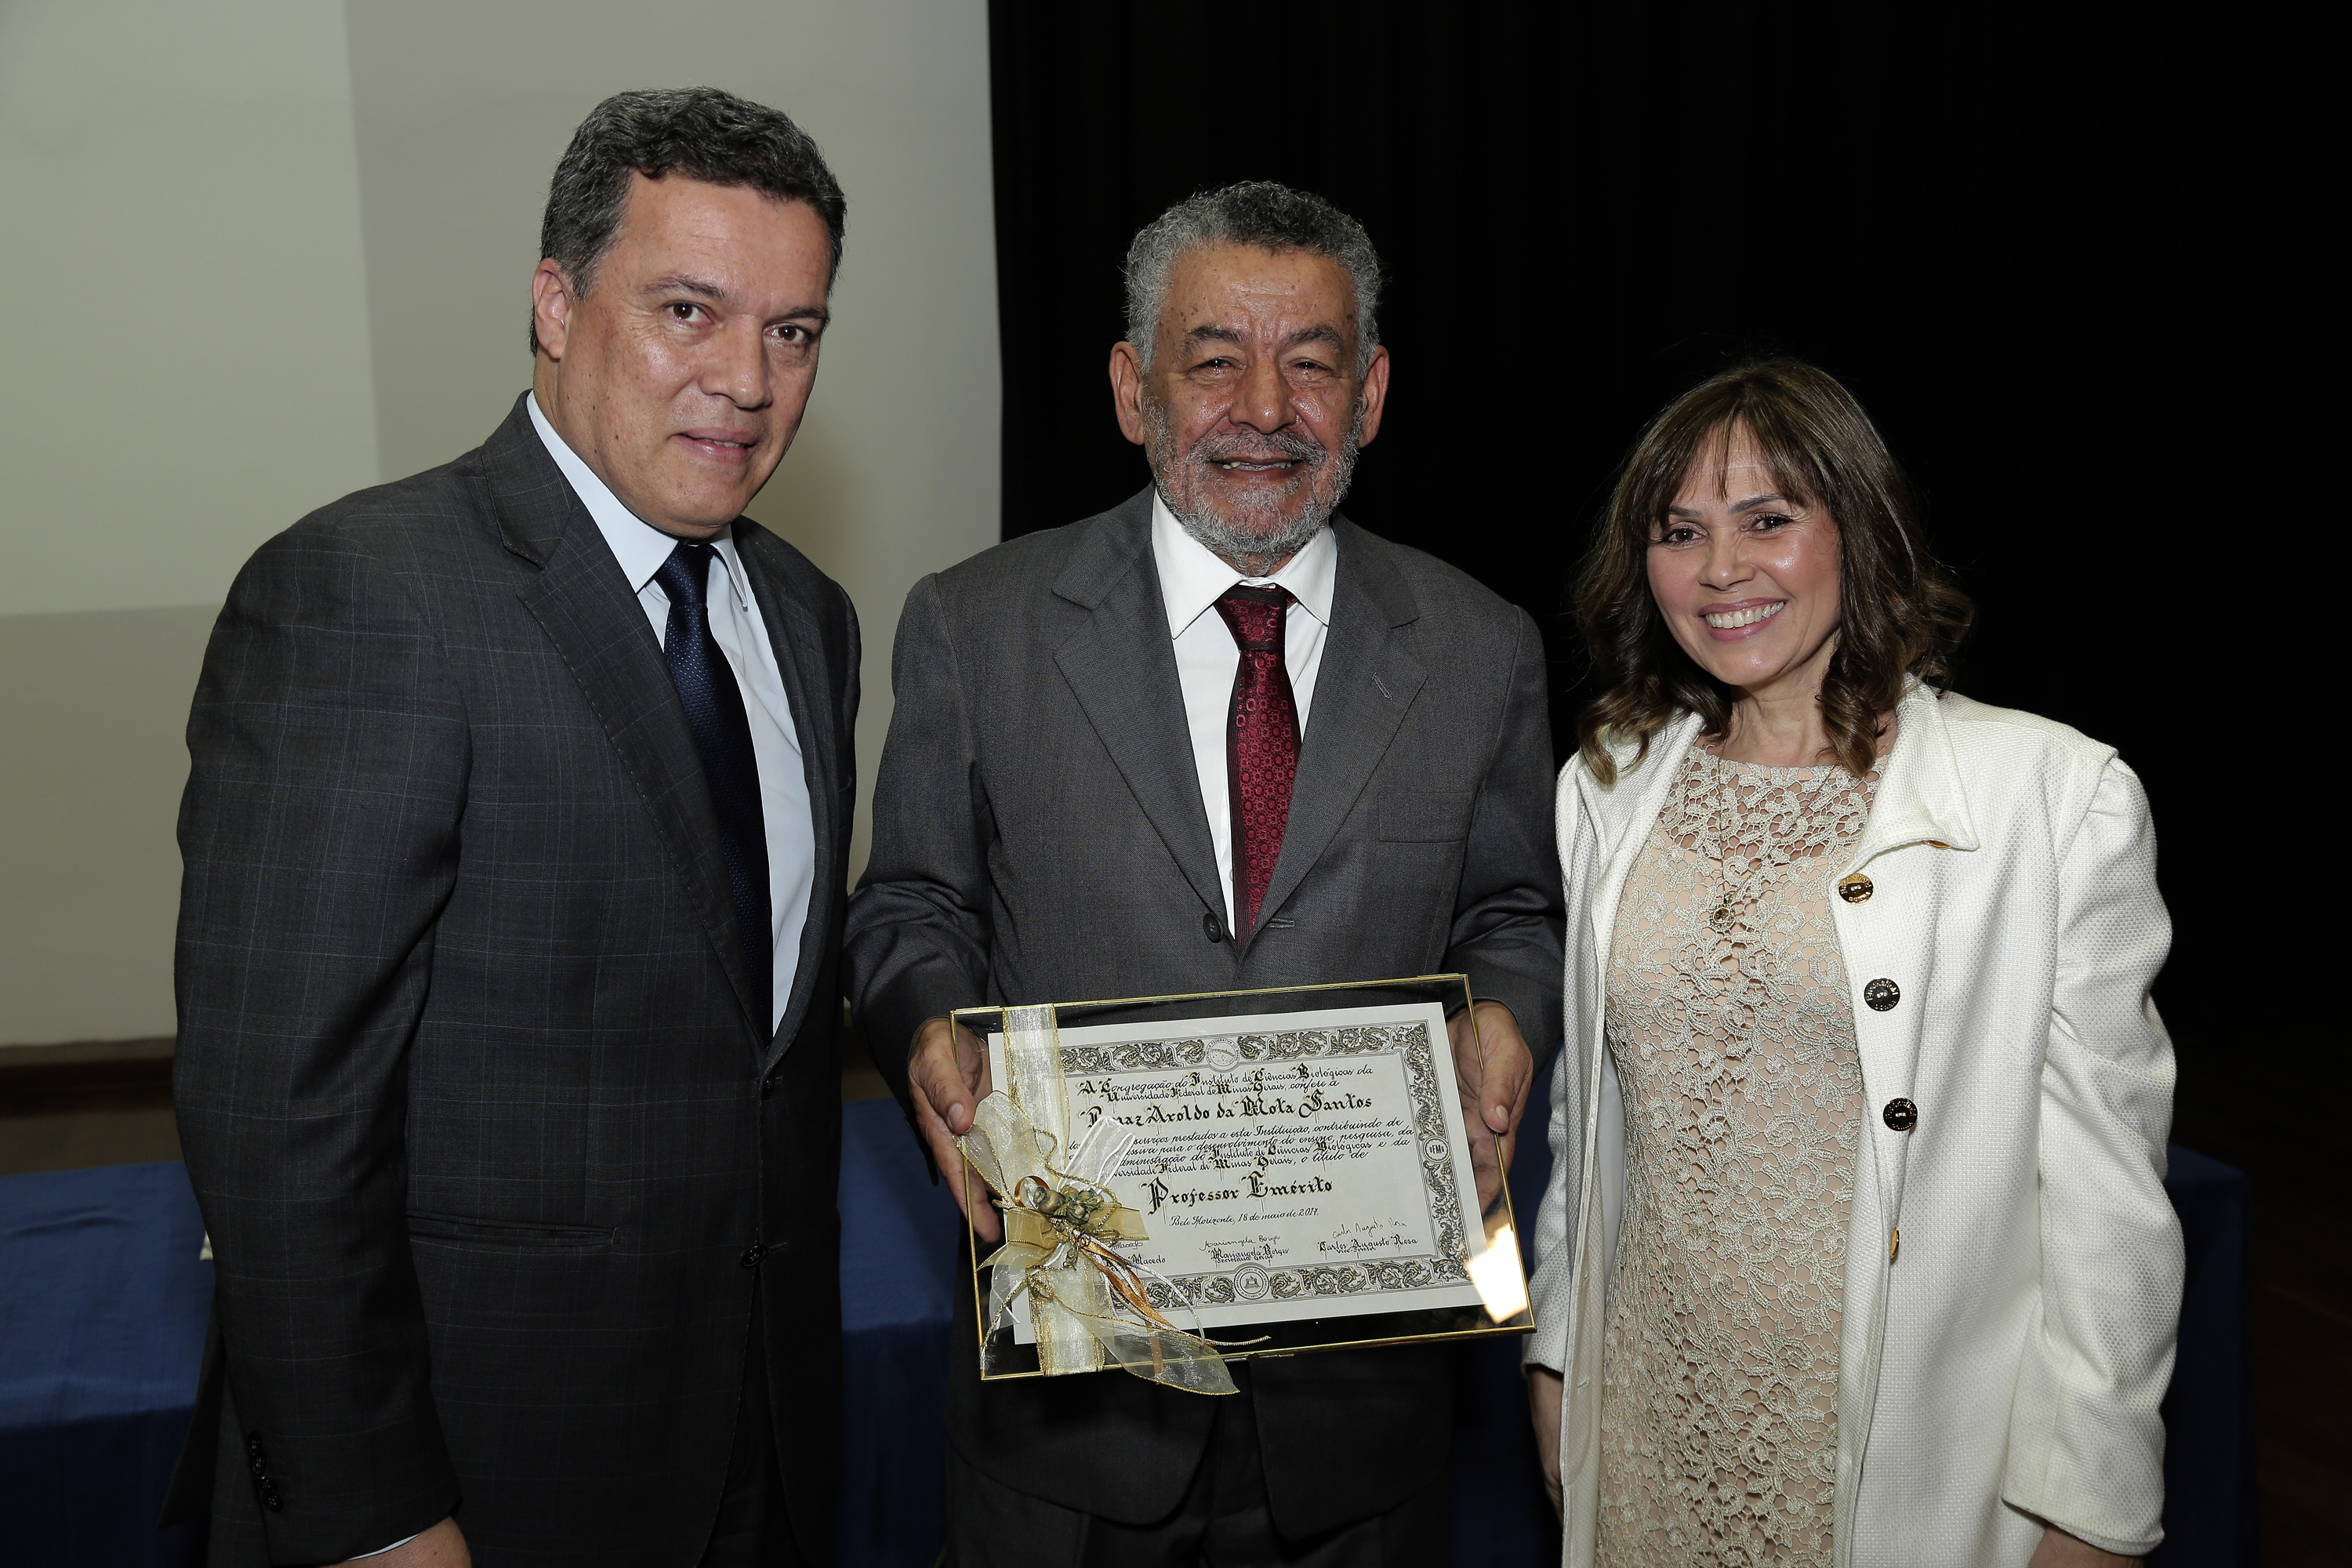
1881, 994
1901, 1115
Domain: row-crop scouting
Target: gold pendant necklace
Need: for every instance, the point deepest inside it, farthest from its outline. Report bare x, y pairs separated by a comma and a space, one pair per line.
1725, 917
1725, 914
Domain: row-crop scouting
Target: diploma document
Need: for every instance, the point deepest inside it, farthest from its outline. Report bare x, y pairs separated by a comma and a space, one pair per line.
1285, 1166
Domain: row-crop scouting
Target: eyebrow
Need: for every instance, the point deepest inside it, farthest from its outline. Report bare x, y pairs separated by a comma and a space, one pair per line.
685, 283
703, 288
1319, 333
1750, 504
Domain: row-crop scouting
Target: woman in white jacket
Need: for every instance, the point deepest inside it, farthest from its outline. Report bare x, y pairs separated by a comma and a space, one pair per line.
1856, 1250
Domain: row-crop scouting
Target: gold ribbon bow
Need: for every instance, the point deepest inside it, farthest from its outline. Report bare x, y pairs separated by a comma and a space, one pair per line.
1087, 1305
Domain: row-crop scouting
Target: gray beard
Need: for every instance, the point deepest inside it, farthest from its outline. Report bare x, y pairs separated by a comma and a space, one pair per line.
1254, 552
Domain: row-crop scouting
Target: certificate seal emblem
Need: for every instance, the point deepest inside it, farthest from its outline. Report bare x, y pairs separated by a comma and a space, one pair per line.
1250, 1283
1223, 1057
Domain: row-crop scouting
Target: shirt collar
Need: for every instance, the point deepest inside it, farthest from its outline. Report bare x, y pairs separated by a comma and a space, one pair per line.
636, 544
1192, 578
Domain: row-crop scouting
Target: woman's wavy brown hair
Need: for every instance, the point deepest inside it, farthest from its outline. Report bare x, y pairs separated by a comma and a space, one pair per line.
1899, 613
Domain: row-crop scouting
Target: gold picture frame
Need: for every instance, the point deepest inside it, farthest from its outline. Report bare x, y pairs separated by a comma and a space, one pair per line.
1495, 1269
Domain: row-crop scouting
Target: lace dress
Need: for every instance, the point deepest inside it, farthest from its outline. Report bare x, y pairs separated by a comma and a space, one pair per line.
1735, 1051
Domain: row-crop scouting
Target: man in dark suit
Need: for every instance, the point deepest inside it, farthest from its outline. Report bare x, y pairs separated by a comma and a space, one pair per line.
1217, 738
508, 972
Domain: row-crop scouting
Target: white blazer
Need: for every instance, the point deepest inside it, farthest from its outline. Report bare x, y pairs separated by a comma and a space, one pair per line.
2012, 1288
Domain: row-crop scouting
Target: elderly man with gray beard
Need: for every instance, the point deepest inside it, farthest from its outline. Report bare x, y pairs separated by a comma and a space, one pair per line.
1217, 738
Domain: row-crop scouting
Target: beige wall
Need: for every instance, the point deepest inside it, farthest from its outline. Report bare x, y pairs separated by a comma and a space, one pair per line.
187, 302
185, 374
92, 706
286, 251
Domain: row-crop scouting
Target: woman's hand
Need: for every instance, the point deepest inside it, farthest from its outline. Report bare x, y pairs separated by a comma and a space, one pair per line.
2060, 1550
1544, 1387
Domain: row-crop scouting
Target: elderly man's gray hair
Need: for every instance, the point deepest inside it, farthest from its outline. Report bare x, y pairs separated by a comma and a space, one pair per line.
1263, 214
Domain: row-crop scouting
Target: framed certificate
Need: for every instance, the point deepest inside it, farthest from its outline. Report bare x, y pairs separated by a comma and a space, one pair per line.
1282, 1171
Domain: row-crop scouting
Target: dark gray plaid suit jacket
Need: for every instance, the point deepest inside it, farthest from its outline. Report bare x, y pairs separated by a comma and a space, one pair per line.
1039, 836
482, 1119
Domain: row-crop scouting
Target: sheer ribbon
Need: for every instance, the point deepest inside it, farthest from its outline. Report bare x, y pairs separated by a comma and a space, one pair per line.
1089, 1306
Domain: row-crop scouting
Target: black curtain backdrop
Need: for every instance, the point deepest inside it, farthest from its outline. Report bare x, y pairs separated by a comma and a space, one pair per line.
2016, 237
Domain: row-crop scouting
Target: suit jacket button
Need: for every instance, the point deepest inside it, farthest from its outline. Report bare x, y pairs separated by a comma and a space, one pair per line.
753, 1253
1856, 888
1901, 1115
1881, 994
1212, 927
253, 1444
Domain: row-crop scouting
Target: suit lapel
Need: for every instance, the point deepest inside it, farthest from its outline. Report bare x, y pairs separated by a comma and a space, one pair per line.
793, 635
581, 600
1366, 683
1122, 666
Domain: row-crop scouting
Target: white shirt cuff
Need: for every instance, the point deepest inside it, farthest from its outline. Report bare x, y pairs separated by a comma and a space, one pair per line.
381, 1550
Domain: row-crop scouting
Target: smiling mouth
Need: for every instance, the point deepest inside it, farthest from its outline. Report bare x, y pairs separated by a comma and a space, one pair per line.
731, 450
1734, 620
1250, 466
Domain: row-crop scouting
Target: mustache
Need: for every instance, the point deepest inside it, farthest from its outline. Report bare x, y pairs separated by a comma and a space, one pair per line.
1281, 445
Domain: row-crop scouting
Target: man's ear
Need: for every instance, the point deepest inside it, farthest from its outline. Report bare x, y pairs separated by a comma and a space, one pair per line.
552, 299
1126, 391
1375, 395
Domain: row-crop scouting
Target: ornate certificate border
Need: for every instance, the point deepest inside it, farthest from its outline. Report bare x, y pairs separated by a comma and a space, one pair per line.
1248, 1283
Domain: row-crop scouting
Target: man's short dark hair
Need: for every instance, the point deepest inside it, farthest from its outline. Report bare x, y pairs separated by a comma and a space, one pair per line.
697, 132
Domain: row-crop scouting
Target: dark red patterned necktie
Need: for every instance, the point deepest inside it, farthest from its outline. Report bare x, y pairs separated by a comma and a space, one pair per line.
1261, 744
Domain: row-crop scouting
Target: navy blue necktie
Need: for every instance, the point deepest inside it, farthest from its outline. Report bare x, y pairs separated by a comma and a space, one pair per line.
722, 737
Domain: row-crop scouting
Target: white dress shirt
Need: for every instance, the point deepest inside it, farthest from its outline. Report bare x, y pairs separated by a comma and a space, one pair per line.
742, 636
1191, 580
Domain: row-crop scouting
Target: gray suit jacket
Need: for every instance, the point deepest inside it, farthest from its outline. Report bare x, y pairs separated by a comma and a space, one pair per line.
1039, 836
482, 1117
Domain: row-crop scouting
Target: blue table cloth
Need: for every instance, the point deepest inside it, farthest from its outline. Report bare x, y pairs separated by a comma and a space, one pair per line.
900, 1241
102, 1304
2209, 1412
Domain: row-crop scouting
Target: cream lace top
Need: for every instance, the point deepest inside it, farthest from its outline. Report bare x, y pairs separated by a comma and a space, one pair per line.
1735, 1051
